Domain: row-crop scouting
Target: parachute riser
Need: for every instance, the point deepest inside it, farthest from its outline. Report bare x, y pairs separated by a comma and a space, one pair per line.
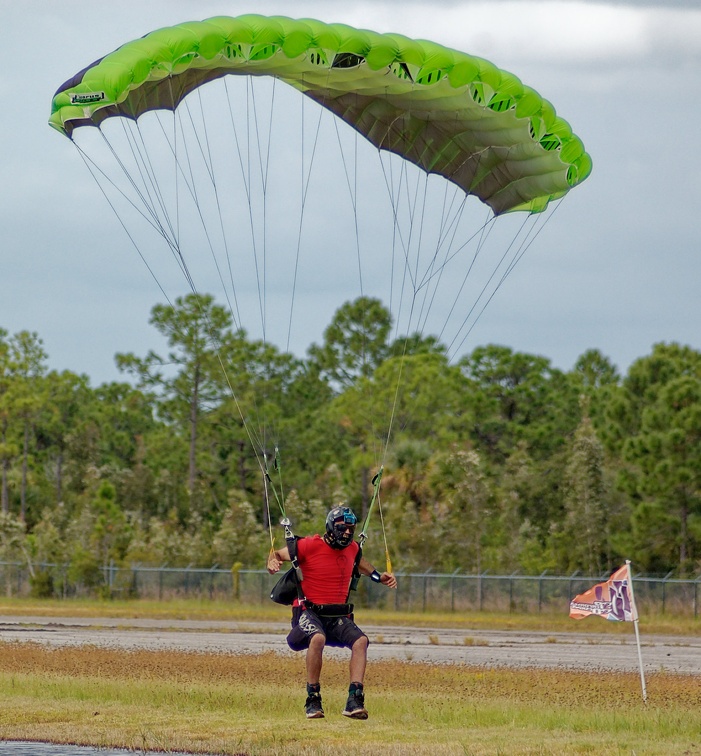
276, 489
291, 541
376, 481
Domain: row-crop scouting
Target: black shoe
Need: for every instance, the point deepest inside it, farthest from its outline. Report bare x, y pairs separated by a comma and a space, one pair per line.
355, 706
312, 708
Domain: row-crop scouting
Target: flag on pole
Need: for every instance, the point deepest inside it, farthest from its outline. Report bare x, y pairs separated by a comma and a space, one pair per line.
612, 599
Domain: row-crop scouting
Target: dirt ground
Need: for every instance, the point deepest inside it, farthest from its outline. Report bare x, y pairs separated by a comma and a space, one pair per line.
440, 646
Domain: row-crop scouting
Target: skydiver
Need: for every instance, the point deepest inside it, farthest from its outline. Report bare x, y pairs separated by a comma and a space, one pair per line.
324, 617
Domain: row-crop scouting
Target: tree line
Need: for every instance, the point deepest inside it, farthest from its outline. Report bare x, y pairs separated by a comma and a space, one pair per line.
495, 462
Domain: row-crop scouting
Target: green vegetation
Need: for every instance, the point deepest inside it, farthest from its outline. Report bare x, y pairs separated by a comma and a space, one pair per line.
498, 462
229, 704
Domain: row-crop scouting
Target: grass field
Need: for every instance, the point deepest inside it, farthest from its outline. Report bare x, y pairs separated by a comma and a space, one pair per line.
204, 609
230, 704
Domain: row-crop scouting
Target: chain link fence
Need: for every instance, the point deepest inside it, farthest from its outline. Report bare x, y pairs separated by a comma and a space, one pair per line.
417, 592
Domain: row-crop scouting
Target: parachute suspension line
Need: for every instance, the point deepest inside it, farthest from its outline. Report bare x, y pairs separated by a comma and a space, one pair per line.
146, 210
397, 239
353, 193
525, 245
432, 261
90, 165
395, 198
210, 166
509, 268
93, 168
175, 178
418, 281
172, 241
165, 231
426, 293
351, 176
253, 136
305, 177
206, 156
355, 210
412, 210
146, 171
192, 189
352, 185
446, 227
484, 232
263, 165
191, 184
245, 175
486, 226
256, 143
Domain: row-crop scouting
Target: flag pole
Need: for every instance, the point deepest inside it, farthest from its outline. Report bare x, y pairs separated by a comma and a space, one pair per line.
634, 610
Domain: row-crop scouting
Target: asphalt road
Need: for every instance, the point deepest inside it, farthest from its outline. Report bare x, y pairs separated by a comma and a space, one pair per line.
586, 651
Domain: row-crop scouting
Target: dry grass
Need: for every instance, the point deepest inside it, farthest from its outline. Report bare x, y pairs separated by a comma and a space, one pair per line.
230, 704
204, 609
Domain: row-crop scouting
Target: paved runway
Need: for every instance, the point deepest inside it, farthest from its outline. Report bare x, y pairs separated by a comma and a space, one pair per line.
587, 651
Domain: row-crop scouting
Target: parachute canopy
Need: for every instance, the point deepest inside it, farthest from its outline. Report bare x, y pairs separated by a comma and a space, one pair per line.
450, 113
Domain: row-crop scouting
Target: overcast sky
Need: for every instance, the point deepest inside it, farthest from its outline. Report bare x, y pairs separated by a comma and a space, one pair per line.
617, 268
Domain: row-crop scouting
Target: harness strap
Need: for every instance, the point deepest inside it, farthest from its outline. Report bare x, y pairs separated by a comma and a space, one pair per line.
291, 540
355, 576
330, 610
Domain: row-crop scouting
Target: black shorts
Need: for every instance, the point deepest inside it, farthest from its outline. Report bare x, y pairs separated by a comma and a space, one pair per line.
340, 632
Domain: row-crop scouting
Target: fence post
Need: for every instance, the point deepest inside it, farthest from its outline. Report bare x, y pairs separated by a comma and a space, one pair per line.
160, 581
452, 590
696, 597
540, 590
423, 603
664, 590
570, 592
211, 581
480, 593
511, 591
236, 579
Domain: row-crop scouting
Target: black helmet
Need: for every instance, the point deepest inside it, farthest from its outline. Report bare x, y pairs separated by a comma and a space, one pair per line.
340, 526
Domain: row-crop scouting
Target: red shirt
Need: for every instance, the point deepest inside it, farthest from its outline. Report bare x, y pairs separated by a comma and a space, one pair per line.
327, 572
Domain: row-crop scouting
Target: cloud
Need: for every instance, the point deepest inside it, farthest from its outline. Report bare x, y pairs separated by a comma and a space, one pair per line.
625, 74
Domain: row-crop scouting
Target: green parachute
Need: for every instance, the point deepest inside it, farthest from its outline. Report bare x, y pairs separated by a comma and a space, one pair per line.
449, 113
208, 164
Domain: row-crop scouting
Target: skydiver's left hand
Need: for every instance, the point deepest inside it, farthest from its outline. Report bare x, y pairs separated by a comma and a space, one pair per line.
388, 579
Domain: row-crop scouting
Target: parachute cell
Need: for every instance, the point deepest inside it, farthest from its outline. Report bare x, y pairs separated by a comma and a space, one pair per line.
449, 113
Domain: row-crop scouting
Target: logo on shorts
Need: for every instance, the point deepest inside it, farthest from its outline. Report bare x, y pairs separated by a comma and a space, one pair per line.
306, 625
